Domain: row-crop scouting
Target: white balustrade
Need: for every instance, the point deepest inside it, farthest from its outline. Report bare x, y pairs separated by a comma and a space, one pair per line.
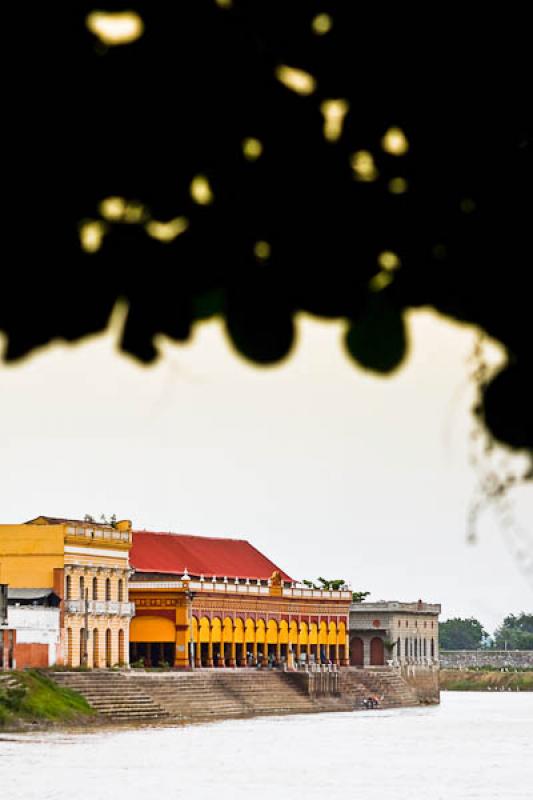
97, 607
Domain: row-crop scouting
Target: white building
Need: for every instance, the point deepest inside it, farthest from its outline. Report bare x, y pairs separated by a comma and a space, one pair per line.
33, 619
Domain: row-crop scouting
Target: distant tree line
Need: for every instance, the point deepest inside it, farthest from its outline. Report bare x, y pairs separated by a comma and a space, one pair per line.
515, 633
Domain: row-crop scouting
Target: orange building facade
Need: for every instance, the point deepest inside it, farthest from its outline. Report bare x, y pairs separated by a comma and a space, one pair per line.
203, 602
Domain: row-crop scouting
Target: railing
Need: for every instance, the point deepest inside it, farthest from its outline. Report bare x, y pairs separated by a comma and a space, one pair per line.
407, 661
392, 606
105, 534
230, 587
100, 607
314, 667
338, 594
322, 680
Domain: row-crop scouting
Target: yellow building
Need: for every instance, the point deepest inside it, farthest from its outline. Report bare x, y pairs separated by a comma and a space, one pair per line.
218, 602
86, 564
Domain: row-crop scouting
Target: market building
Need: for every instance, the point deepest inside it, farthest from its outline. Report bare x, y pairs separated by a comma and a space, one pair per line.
85, 566
219, 602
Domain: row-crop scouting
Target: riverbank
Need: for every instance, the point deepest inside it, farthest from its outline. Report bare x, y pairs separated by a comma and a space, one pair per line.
29, 700
91, 698
474, 745
465, 680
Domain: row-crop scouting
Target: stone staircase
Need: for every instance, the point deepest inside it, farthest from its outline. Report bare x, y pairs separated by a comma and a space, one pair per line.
111, 695
381, 681
204, 694
353, 690
190, 696
210, 694
9, 681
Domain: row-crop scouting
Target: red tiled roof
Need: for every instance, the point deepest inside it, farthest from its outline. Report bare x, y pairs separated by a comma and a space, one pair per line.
201, 555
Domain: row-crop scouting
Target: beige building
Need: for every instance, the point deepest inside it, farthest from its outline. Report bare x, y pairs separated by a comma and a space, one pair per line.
87, 566
394, 633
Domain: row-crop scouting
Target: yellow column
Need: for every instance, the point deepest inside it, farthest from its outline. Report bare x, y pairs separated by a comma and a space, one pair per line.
221, 654
183, 617
265, 652
198, 648
298, 649
345, 647
290, 657
210, 662
345, 661
243, 653
337, 654
181, 660
254, 651
233, 659
278, 650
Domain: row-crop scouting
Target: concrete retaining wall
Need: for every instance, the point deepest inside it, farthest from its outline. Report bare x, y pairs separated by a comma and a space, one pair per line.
424, 680
463, 659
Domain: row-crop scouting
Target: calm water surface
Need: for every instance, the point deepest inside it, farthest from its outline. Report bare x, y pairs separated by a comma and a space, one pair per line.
475, 745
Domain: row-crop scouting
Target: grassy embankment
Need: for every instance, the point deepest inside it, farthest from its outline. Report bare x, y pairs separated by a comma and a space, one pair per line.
477, 680
29, 697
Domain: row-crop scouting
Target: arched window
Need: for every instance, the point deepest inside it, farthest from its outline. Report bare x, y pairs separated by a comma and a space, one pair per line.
96, 649
108, 588
95, 588
82, 587
406, 647
120, 590
69, 645
82, 647
68, 587
108, 648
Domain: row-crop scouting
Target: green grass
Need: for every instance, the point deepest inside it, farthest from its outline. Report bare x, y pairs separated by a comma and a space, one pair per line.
455, 680
40, 699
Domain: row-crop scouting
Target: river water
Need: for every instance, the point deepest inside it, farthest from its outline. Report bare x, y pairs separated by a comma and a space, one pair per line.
474, 745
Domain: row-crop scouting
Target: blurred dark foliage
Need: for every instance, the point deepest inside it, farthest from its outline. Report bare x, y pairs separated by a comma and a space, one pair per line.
140, 120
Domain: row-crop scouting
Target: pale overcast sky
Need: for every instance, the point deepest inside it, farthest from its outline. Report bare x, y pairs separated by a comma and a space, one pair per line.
327, 469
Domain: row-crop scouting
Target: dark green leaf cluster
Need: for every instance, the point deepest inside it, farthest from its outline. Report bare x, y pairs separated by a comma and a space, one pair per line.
515, 633
462, 634
323, 583
458, 231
